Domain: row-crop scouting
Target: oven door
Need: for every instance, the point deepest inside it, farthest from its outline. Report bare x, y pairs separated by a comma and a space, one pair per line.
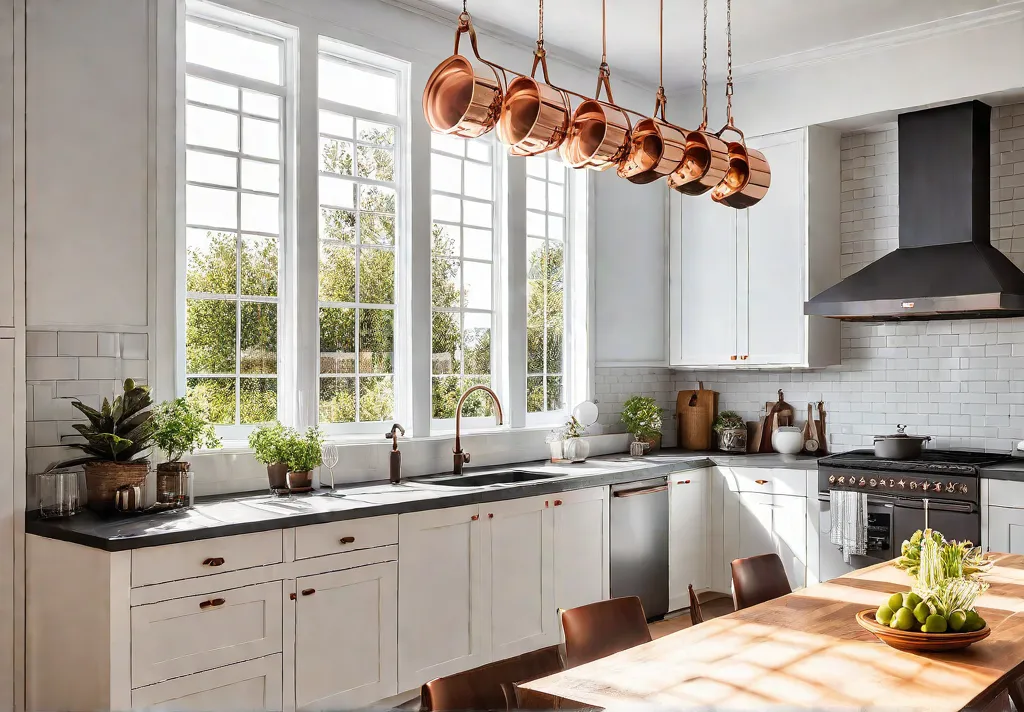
881, 516
954, 520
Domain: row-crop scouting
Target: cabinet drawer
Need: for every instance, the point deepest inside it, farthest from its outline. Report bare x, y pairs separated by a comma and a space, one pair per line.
248, 686
202, 558
772, 480
189, 635
349, 535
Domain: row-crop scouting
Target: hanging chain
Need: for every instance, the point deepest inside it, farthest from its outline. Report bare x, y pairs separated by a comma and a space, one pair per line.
728, 44
704, 65
604, 33
540, 27
661, 99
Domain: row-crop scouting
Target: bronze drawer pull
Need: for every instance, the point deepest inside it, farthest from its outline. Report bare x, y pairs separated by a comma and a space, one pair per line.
490, 515
474, 517
204, 605
214, 603
218, 561
683, 482
308, 591
291, 596
558, 503
761, 482
348, 540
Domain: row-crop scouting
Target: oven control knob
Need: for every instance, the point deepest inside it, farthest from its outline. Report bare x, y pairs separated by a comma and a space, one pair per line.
898, 484
926, 485
892, 483
913, 485
842, 480
831, 479
950, 487
861, 483
963, 489
874, 483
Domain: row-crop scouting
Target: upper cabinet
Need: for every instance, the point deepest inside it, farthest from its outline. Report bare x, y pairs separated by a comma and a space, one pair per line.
7, 164
739, 278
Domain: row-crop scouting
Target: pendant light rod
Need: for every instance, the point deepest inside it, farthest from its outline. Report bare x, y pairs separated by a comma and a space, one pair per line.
728, 44
604, 74
704, 73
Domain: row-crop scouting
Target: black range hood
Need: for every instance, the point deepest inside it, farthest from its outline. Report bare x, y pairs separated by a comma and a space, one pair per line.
945, 267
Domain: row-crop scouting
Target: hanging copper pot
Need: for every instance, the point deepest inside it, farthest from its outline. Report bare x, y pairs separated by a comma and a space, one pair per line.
534, 115
598, 132
457, 100
748, 178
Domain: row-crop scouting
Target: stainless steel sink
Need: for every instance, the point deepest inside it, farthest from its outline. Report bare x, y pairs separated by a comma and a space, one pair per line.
505, 477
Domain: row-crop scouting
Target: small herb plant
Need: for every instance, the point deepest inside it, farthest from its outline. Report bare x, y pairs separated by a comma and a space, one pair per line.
269, 443
304, 451
573, 428
642, 417
182, 427
728, 420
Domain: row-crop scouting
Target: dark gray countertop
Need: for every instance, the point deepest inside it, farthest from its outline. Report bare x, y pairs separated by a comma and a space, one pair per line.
247, 513
1011, 470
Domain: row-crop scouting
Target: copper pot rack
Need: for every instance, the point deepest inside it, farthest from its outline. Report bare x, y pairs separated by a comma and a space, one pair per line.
534, 117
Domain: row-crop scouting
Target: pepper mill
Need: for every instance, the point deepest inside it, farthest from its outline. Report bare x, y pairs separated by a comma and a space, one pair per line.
396, 454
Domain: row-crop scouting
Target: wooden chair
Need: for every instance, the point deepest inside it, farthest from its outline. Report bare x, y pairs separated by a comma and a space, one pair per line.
757, 579
603, 628
492, 686
696, 615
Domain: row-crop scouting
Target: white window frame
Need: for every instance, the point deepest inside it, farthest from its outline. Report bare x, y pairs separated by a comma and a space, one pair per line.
232, 21
340, 51
499, 297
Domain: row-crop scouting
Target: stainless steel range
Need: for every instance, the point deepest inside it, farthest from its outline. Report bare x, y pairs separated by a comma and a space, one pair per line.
940, 487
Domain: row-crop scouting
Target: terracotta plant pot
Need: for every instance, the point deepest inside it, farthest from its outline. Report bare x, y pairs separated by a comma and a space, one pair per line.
277, 474
300, 480
654, 441
102, 480
172, 483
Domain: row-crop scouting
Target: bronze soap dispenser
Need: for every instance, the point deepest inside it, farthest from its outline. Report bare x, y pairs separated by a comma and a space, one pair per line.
396, 454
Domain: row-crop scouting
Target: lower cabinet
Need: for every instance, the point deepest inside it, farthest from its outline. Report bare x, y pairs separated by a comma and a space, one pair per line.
484, 582
687, 544
252, 685
1006, 530
346, 637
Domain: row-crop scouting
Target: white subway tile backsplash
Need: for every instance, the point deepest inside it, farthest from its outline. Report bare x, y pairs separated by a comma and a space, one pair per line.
45, 368
76, 343
40, 343
108, 345
97, 367
134, 346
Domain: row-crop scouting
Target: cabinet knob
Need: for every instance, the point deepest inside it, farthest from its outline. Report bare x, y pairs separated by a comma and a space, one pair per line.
490, 515
308, 591
347, 540
291, 596
733, 357
474, 517
744, 357
213, 562
761, 482
558, 503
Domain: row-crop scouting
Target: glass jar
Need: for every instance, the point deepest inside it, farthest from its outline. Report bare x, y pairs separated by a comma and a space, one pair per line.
173, 484
58, 494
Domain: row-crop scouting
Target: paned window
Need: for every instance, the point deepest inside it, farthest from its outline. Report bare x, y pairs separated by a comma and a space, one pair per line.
359, 129
546, 212
234, 157
463, 273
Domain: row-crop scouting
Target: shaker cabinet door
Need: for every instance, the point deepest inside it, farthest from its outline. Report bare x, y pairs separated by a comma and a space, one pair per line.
687, 544
581, 547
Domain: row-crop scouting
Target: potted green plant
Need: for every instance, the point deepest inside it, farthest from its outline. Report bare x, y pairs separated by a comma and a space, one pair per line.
269, 446
642, 417
574, 447
303, 453
180, 428
731, 431
117, 437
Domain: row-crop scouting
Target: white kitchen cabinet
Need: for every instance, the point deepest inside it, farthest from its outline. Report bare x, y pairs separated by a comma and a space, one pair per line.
1006, 530
346, 637
789, 536
248, 686
9, 527
581, 547
520, 575
443, 616
739, 279
687, 544
754, 526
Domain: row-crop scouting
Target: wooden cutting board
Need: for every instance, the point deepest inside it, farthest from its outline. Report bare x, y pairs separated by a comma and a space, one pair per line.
695, 413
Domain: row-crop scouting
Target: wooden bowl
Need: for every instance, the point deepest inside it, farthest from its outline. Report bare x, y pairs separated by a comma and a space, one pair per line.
917, 642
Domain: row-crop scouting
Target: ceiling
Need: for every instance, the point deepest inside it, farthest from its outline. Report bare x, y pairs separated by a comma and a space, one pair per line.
766, 33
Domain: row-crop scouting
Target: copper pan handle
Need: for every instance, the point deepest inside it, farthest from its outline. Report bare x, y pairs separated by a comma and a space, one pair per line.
466, 26
730, 127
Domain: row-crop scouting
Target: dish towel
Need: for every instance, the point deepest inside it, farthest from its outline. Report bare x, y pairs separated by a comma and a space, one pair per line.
849, 515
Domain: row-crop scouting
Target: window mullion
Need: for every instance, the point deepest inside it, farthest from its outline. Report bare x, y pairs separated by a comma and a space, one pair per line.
516, 296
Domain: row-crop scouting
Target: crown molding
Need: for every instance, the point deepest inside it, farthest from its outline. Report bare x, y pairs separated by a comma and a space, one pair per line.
430, 11
998, 15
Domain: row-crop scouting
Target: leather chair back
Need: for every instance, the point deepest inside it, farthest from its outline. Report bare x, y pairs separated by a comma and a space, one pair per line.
696, 615
603, 628
757, 579
489, 687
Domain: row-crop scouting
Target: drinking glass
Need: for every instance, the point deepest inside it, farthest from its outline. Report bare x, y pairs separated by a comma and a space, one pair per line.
58, 494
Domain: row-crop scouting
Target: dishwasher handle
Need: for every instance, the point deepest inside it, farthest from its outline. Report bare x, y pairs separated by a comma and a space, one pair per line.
640, 491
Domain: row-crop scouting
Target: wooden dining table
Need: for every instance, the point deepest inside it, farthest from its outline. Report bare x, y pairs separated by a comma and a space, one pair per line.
807, 650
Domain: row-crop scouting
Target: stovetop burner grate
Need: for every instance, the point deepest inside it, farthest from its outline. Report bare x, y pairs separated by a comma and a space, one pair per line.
963, 462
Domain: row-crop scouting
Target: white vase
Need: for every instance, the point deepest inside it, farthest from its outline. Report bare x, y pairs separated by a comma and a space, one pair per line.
575, 449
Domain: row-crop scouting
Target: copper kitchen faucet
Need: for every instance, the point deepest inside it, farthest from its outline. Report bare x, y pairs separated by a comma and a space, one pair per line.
461, 458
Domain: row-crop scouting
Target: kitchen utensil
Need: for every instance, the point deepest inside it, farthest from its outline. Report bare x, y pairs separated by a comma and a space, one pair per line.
810, 432
457, 100
784, 412
129, 498
656, 146
756, 433
788, 440
822, 438
696, 411
705, 156
534, 116
900, 446
915, 641
749, 175
330, 461
59, 494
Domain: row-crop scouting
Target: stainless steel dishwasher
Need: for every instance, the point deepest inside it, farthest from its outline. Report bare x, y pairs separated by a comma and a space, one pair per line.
639, 543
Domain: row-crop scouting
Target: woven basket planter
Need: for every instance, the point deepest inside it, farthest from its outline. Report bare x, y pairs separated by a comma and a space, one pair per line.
103, 478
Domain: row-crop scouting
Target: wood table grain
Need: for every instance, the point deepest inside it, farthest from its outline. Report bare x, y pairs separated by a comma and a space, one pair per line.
807, 650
